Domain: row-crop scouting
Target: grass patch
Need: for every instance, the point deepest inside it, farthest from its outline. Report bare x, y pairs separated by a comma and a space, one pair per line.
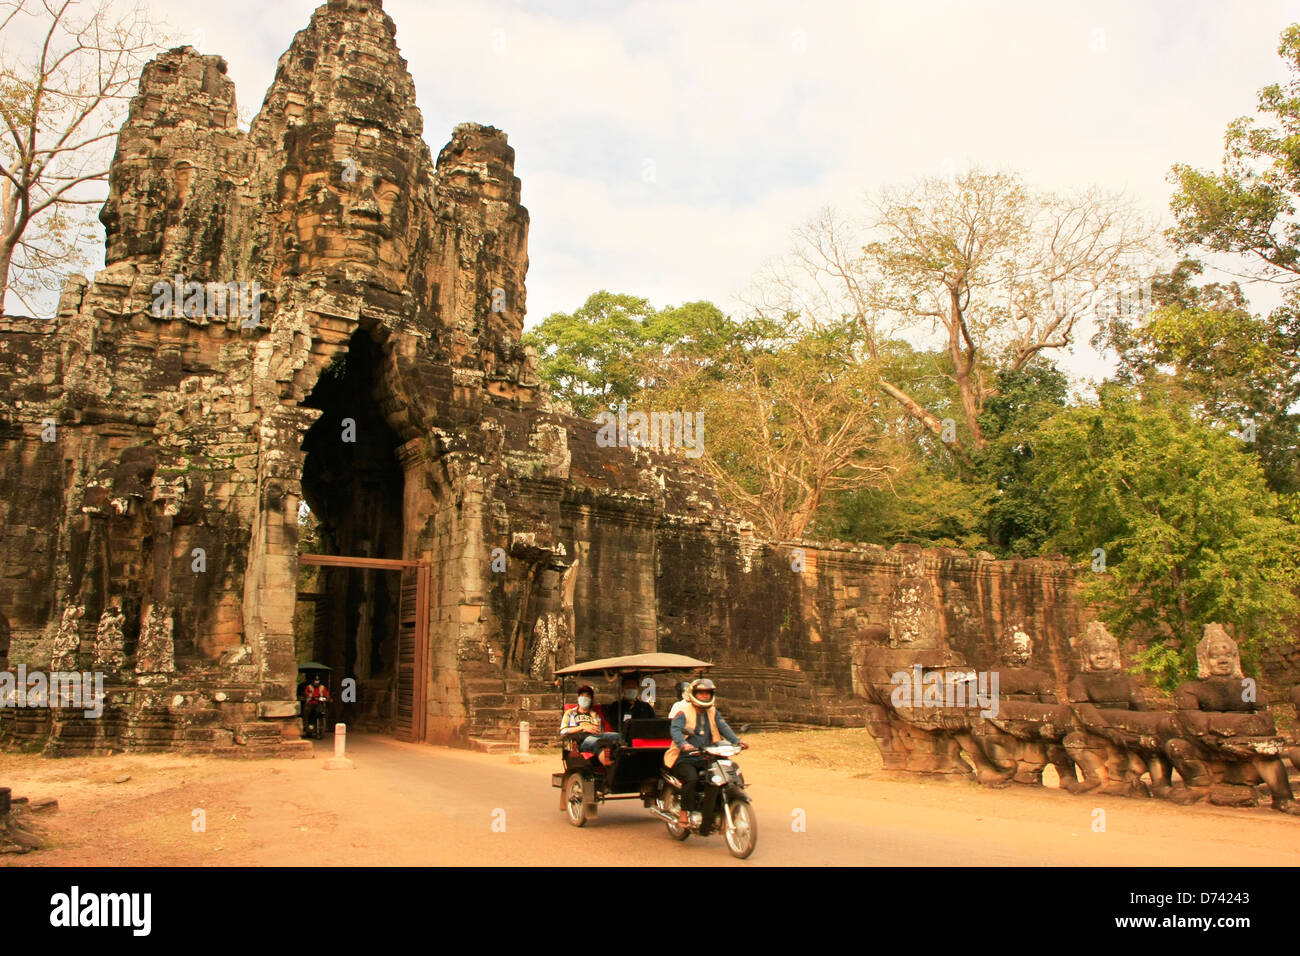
849, 749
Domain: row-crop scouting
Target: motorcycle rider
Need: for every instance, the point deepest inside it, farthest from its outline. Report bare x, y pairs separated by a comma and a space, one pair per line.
315, 697
695, 726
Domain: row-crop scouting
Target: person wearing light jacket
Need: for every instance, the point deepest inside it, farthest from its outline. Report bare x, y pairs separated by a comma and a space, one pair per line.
695, 726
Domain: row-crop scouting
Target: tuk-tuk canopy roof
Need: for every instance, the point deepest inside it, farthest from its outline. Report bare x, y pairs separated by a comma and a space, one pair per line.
636, 662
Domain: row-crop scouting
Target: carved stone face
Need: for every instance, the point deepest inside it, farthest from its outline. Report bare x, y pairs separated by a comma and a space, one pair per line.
350, 209
913, 611
1223, 658
1017, 648
1102, 657
1099, 651
1217, 654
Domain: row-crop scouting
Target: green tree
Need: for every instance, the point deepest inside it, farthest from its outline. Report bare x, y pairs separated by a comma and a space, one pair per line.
1018, 519
1248, 208
1189, 530
1202, 346
992, 503
1245, 366
933, 499
590, 358
925, 503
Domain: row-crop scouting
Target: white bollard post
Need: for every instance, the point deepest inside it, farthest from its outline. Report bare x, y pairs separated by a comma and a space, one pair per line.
523, 756
340, 761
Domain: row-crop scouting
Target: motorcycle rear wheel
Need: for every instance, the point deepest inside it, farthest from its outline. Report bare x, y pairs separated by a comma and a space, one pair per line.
677, 831
671, 804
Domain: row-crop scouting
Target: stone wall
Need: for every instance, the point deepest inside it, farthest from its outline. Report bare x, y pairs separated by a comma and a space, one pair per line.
735, 600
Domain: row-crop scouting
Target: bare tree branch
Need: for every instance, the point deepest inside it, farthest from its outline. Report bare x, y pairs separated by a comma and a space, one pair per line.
61, 109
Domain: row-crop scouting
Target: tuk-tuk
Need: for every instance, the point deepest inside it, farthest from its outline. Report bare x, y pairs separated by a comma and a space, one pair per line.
585, 782
636, 770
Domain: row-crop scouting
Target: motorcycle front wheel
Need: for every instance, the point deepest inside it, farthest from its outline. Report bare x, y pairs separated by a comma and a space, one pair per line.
742, 835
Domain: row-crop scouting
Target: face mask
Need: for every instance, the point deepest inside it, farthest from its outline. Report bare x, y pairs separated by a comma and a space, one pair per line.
629, 694
584, 701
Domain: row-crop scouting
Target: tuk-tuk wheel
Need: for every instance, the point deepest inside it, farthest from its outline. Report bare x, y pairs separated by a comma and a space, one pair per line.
573, 805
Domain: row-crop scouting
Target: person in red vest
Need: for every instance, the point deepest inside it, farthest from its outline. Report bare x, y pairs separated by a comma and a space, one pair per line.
314, 700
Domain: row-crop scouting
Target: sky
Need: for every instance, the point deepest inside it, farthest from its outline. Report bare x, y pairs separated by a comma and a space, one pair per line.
668, 149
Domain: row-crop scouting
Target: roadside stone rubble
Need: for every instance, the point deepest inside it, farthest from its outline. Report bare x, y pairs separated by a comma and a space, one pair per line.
17, 832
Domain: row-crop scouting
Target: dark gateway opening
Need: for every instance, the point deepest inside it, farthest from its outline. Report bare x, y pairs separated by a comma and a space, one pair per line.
352, 483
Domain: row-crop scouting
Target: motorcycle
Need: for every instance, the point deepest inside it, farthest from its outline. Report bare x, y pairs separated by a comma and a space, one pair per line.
724, 804
316, 721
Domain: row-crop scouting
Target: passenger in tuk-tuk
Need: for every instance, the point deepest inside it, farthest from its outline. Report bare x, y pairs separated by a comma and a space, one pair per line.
587, 723
628, 704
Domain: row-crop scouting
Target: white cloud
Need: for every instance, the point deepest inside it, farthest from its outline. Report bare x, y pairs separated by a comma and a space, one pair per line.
757, 113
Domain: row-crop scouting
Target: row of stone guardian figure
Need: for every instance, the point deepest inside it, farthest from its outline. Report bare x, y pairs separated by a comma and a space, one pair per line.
1220, 737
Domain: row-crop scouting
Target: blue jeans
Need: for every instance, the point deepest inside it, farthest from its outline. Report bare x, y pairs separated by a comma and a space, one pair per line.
595, 743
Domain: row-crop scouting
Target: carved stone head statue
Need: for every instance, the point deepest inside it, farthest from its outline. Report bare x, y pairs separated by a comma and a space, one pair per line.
914, 610
1217, 654
1017, 647
1098, 649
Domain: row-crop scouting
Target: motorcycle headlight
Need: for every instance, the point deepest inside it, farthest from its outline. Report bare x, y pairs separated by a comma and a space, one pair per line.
717, 779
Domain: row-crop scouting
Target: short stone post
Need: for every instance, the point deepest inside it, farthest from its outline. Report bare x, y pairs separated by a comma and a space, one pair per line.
340, 761
523, 756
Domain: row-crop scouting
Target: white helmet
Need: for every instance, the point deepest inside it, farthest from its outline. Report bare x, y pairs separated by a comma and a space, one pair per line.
702, 683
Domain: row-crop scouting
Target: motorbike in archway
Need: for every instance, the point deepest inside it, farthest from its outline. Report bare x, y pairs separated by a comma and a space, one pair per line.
317, 721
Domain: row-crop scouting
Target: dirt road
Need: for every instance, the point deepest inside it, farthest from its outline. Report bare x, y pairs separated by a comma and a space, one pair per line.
410, 804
